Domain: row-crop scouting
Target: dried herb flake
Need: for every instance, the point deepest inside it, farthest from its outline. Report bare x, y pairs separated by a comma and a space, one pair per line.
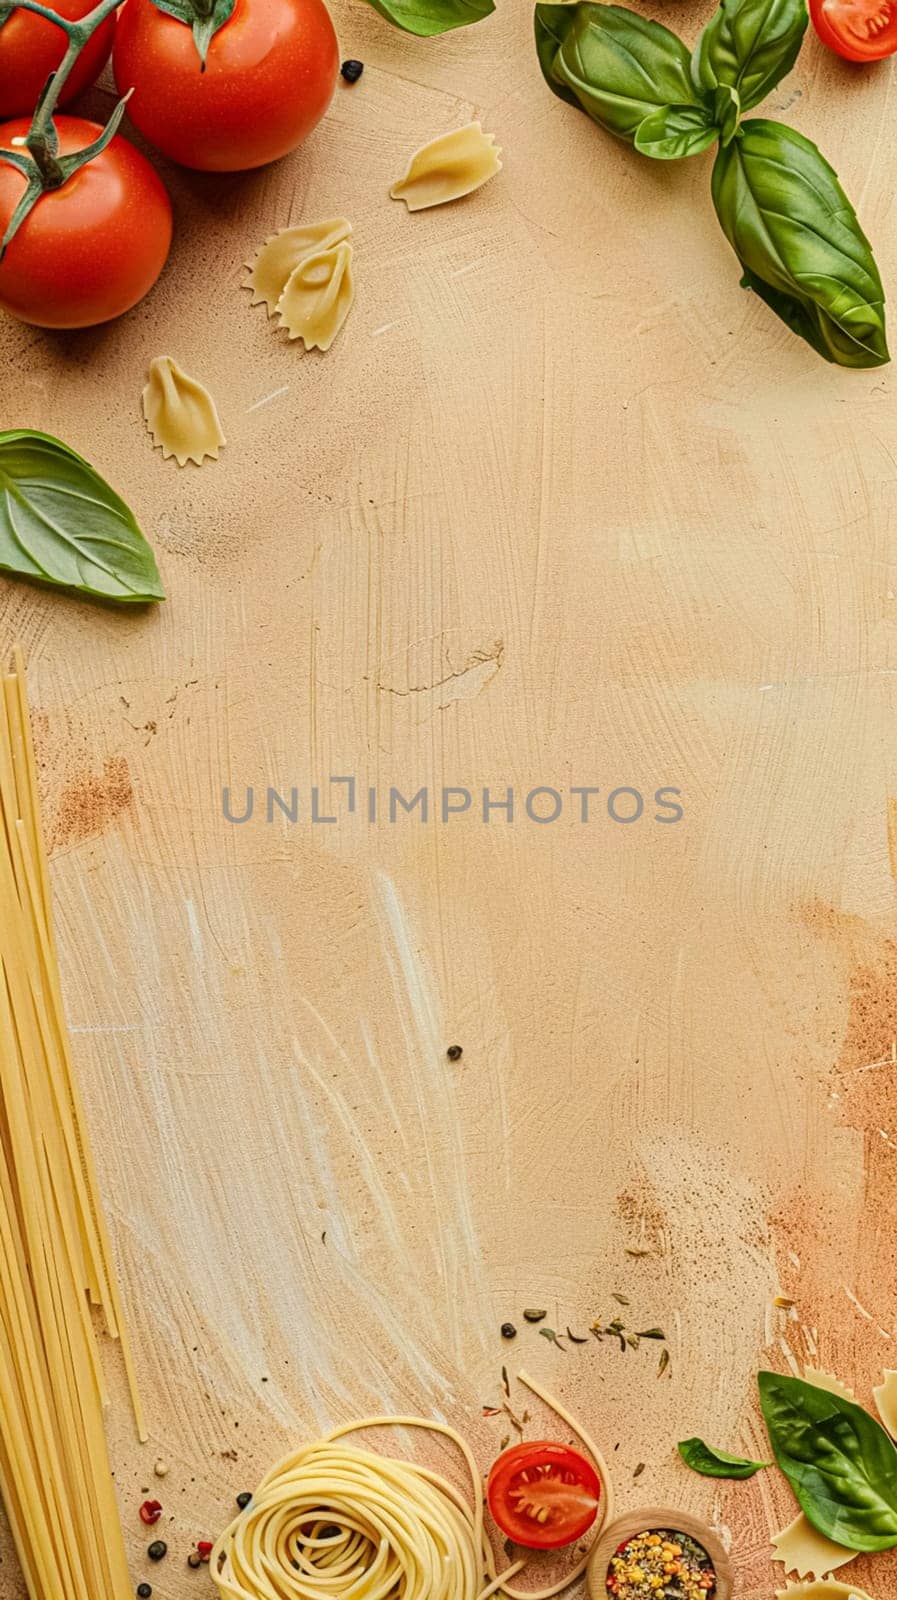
551, 1336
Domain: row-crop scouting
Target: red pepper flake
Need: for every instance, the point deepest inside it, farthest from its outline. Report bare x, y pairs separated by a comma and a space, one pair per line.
150, 1512
491, 1411
205, 1548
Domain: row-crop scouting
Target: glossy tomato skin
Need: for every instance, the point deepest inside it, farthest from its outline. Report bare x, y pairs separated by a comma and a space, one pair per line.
545, 1476
270, 73
91, 249
31, 48
858, 30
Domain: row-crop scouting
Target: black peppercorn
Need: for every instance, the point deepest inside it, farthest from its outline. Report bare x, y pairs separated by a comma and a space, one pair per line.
194, 1559
508, 1331
144, 1590
352, 70
157, 1550
455, 1052
244, 1498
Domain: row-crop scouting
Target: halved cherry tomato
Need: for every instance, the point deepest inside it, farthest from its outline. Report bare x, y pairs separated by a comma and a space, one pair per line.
269, 76
543, 1495
858, 30
91, 249
31, 48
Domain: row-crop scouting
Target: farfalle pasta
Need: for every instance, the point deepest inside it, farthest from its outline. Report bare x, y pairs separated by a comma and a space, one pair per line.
318, 296
449, 167
823, 1589
180, 414
304, 277
807, 1552
885, 1396
284, 251
828, 1382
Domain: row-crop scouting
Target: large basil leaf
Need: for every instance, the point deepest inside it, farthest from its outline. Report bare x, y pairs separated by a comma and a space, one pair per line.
614, 65
796, 234
61, 523
713, 1463
429, 17
839, 1461
749, 46
676, 131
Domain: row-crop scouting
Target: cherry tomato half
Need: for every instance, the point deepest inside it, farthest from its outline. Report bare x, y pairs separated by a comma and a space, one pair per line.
91, 249
543, 1495
270, 73
31, 48
858, 30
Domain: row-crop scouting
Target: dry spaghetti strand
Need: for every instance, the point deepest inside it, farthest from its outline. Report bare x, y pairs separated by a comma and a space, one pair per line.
55, 1257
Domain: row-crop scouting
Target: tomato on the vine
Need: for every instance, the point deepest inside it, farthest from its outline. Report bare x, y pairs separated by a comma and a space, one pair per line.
31, 48
269, 75
543, 1495
91, 249
858, 30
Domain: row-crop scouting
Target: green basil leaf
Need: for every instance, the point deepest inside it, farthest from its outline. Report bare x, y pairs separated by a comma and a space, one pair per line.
713, 1463
839, 1461
749, 46
797, 237
676, 131
61, 523
429, 17
204, 20
613, 64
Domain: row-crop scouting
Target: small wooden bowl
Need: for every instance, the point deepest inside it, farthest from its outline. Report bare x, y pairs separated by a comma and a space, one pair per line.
645, 1521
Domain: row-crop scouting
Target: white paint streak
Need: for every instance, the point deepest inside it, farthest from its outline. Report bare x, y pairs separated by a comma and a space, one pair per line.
267, 398
196, 939
855, 1302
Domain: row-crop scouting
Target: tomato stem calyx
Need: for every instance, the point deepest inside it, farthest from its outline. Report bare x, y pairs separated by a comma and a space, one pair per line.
38, 160
202, 17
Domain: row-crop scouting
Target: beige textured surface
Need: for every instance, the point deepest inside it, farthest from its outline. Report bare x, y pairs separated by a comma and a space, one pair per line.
562, 506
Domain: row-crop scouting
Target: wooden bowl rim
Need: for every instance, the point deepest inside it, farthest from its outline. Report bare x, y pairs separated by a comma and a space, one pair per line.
644, 1520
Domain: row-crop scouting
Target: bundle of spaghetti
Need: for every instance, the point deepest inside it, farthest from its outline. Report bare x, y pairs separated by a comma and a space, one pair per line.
55, 1259
332, 1521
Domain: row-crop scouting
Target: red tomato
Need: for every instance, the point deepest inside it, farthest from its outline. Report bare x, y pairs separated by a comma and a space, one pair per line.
91, 249
270, 73
858, 30
31, 48
543, 1495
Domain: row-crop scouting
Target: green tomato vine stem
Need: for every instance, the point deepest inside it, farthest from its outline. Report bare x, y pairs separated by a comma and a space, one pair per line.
43, 168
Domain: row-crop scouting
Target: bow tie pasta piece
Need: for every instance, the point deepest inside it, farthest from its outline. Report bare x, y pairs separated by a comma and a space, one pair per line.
824, 1589
284, 251
886, 1401
806, 1551
180, 414
828, 1382
454, 165
318, 297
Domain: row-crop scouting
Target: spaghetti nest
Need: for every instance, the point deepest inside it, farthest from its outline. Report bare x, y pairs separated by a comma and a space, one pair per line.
335, 1522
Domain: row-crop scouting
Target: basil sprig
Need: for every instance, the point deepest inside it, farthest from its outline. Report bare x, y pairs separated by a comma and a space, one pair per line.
839, 1461
429, 17
61, 523
778, 200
